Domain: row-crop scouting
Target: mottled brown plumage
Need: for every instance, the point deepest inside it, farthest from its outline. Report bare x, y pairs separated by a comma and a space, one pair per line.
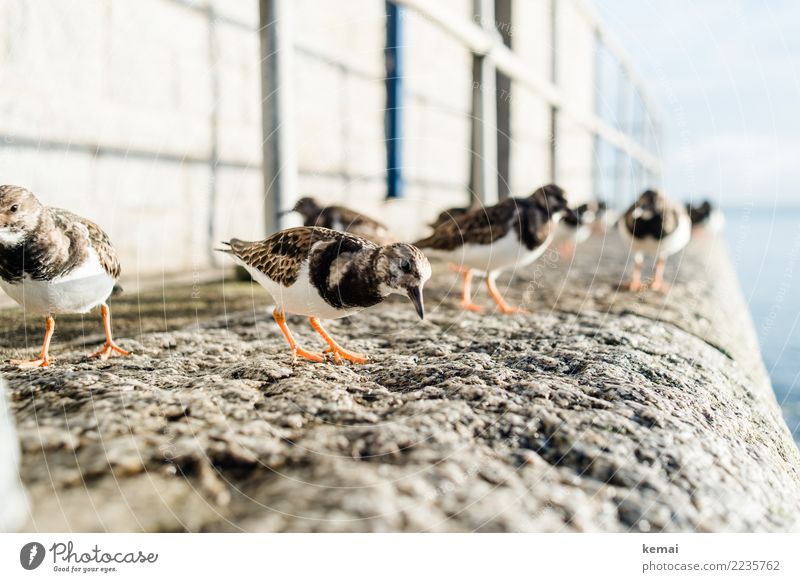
281, 255
340, 218
449, 215
700, 213
653, 215
53, 241
488, 240
53, 261
656, 226
529, 218
323, 273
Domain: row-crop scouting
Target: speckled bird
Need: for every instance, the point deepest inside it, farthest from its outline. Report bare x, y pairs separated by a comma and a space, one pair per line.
342, 219
54, 262
577, 227
655, 226
706, 219
326, 274
488, 240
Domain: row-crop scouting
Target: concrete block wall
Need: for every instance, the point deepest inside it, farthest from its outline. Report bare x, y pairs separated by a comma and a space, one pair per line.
575, 55
340, 100
143, 116
532, 39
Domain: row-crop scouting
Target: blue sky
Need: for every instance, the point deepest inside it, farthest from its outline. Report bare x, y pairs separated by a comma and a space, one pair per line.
726, 77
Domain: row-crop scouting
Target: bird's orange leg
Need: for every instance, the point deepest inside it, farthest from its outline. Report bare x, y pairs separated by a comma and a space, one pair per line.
466, 293
44, 358
566, 250
109, 347
335, 349
280, 319
501, 303
636, 280
658, 278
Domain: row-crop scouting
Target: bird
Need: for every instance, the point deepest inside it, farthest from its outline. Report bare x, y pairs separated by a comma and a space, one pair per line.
657, 226
510, 234
705, 218
578, 226
54, 262
340, 218
450, 214
322, 273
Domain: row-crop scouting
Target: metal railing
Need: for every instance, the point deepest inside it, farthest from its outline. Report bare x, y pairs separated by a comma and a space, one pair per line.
483, 40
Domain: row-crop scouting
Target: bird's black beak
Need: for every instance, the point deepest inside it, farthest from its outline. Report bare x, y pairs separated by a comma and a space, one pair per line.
283, 213
570, 213
415, 294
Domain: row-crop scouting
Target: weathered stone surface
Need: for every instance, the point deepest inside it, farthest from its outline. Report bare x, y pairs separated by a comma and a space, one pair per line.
600, 410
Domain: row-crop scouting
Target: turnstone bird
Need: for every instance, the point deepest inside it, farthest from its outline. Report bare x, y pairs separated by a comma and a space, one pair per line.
54, 262
705, 218
654, 225
341, 219
449, 214
488, 240
578, 226
326, 274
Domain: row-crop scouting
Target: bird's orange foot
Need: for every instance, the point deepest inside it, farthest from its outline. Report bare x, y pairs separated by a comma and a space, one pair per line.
39, 363
636, 286
313, 356
470, 306
339, 352
660, 286
566, 251
109, 349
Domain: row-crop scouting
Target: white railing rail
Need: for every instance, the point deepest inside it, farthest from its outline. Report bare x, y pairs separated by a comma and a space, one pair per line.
482, 41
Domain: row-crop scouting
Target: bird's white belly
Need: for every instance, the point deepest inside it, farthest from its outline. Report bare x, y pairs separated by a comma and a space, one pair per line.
715, 222
80, 291
504, 253
669, 245
301, 298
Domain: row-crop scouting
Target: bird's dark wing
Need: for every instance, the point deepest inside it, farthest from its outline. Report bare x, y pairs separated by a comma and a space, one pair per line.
350, 218
72, 223
663, 221
281, 255
478, 226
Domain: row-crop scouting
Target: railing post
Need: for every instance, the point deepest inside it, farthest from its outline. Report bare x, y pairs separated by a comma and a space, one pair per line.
280, 157
394, 100
622, 190
554, 80
503, 13
483, 181
597, 142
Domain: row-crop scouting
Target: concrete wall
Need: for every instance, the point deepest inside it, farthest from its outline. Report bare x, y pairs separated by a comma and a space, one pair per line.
146, 115
143, 116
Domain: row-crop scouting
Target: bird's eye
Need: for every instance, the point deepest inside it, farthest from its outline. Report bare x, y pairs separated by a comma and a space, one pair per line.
405, 266
14, 208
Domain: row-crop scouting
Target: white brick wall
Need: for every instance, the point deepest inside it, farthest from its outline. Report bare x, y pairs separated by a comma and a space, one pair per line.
109, 108
175, 82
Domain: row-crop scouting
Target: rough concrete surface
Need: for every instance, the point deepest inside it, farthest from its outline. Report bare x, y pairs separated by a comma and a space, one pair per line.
599, 410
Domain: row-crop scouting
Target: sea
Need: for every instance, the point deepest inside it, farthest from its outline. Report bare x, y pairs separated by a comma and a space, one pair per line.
765, 247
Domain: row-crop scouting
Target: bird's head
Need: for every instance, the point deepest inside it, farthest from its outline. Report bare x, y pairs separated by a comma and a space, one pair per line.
403, 269
306, 206
648, 205
552, 199
20, 211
